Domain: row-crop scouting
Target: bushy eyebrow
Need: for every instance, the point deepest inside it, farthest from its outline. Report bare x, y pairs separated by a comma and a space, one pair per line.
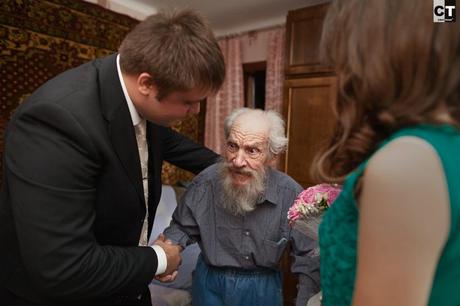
255, 144
248, 145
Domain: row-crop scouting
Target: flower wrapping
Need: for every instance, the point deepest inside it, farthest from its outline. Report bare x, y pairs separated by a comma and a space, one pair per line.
308, 208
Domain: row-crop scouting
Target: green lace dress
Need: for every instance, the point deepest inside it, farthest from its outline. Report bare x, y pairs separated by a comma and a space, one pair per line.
339, 229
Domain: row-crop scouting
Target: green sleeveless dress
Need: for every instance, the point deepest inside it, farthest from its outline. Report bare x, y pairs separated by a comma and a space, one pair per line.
338, 231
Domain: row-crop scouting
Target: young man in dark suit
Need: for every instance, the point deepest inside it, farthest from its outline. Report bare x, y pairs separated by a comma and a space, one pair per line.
83, 160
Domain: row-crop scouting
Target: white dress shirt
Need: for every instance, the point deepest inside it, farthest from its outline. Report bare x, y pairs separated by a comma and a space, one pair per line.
136, 118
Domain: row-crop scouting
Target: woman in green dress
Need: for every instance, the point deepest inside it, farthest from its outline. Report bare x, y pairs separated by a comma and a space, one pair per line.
393, 236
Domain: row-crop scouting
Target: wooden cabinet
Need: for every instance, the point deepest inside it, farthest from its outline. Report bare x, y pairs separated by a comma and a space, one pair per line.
309, 91
303, 34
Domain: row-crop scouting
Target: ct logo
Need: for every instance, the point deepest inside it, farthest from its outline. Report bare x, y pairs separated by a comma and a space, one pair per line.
444, 11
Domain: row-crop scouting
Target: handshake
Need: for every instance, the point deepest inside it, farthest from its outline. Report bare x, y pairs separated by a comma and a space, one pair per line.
172, 256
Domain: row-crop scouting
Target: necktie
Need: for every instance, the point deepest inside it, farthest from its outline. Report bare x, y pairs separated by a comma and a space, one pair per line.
144, 158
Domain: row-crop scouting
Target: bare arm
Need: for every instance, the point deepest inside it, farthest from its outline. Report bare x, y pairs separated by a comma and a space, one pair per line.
403, 226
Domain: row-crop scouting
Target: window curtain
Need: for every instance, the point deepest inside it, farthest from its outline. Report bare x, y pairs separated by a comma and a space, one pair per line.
275, 69
230, 96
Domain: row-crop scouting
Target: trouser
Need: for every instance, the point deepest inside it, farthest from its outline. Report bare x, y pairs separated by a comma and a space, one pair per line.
214, 286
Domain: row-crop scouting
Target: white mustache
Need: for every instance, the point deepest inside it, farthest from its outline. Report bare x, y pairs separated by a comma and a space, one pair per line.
233, 169
240, 171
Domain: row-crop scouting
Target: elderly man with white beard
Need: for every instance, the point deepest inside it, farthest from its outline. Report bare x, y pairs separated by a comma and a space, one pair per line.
237, 211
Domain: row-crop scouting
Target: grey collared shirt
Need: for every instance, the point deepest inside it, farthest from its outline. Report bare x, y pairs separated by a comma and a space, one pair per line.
256, 240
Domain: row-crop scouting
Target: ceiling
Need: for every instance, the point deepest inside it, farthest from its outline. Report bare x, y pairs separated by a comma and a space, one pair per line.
226, 17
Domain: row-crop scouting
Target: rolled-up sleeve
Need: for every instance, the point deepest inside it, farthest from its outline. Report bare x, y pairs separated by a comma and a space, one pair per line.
184, 229
306, 266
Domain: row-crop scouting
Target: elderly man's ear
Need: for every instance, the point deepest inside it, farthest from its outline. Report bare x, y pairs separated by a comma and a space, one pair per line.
273, 160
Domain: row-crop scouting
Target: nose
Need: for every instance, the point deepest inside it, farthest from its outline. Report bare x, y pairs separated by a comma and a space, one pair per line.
239, 160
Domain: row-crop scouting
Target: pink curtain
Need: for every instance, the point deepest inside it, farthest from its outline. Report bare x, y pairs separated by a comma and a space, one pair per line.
275, 69
230, 96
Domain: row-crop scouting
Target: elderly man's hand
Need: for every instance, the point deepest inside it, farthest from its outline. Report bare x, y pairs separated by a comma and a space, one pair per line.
167, 278
172, 256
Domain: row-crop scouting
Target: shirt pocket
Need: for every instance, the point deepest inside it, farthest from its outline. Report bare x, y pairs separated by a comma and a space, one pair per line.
271, 252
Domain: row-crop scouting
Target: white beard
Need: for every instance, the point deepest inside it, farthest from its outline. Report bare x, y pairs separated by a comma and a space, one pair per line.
239, 200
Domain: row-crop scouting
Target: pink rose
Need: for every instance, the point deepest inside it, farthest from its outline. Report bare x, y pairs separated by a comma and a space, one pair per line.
313, 201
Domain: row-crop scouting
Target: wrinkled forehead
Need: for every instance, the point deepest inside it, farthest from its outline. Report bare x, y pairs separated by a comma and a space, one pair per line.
249, 131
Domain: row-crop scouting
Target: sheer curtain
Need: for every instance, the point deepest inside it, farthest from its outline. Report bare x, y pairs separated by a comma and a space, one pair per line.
275, 69
275, 74
230, 96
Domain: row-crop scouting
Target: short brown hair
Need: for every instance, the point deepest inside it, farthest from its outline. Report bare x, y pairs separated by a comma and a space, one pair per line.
179, 51
395, 68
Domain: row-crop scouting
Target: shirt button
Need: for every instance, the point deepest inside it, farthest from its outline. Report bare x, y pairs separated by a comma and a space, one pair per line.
246, 257
246, 233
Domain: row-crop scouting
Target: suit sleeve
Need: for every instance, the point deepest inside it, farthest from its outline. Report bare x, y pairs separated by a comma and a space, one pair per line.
182, 152
52, 170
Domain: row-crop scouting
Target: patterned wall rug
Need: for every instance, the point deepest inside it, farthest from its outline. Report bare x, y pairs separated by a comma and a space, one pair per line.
42, 38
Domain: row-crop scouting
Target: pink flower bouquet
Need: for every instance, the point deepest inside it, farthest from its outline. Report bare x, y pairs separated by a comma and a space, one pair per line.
306, 212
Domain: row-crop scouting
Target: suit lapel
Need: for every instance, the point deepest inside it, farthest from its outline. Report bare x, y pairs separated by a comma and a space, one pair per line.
124, 142
121, 130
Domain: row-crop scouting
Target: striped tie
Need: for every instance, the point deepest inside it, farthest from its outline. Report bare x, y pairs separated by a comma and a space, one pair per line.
144, 157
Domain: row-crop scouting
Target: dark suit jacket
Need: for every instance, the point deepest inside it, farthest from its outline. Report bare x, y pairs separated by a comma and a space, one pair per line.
72, 203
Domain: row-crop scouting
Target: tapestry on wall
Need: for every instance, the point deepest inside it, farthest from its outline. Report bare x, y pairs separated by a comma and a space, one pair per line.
42, 38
